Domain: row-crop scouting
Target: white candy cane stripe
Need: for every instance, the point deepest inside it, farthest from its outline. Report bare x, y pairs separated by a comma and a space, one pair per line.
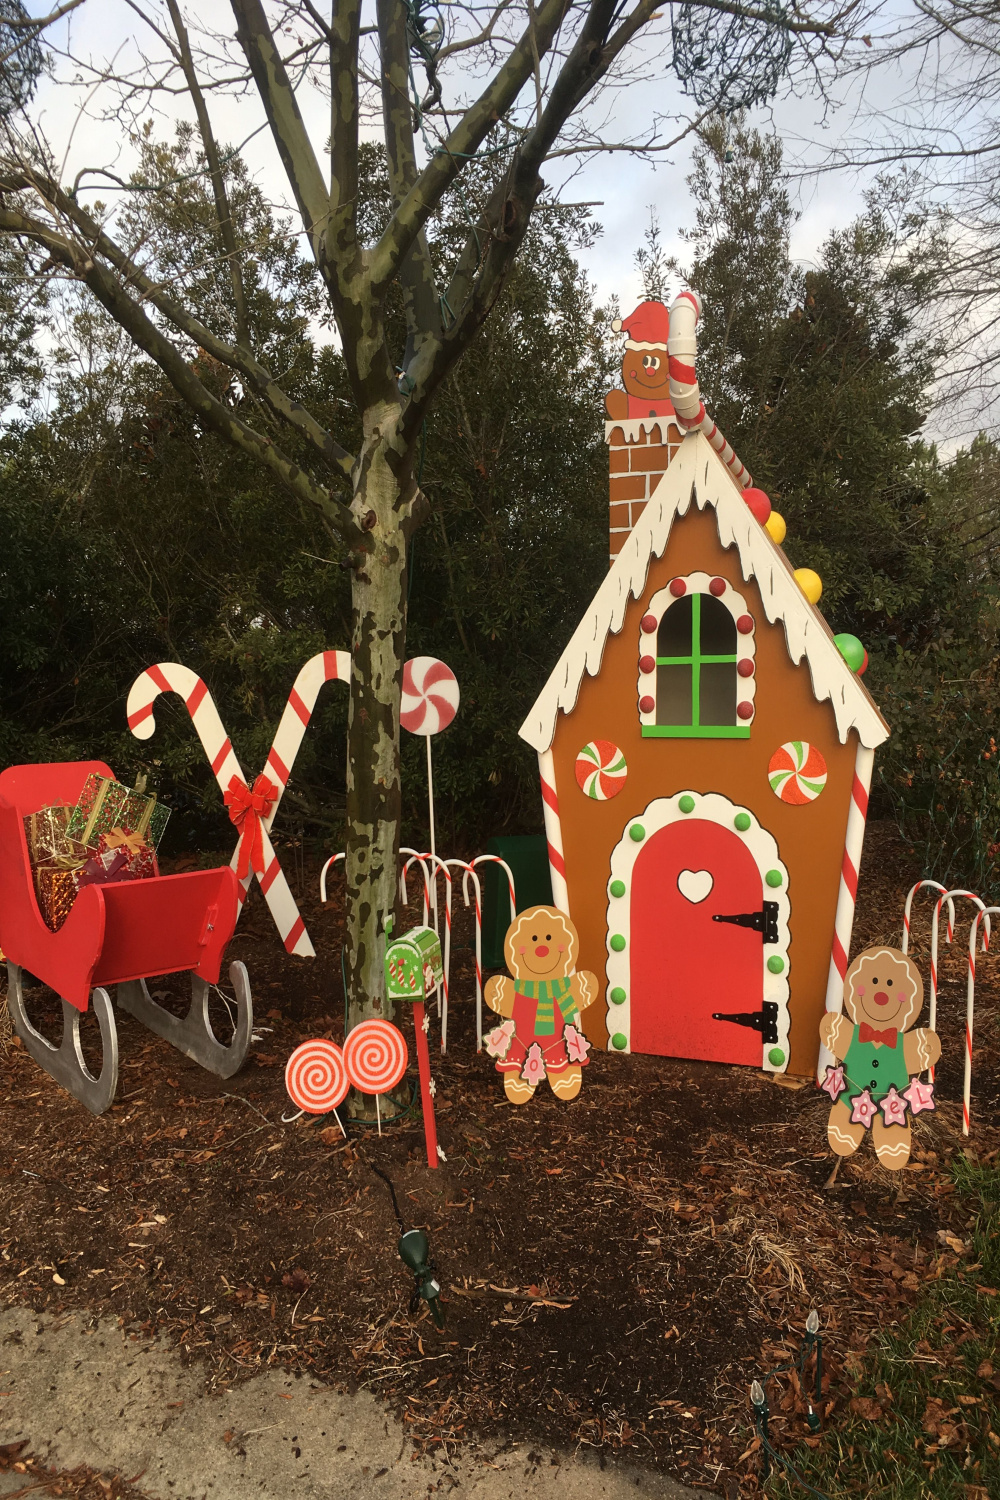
848, 894
949, 897
682, 347
921, 885
553, 831
415, 859
326, 666
970, 1001
470, 873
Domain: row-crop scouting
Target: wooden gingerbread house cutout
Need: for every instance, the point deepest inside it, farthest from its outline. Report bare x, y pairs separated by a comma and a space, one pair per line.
705, 755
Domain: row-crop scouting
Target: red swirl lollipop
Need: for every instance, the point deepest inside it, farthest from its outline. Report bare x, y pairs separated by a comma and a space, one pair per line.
316, 1077
430, 695
375, 1055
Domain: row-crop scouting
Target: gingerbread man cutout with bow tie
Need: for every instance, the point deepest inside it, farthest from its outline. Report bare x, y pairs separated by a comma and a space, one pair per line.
872, 1083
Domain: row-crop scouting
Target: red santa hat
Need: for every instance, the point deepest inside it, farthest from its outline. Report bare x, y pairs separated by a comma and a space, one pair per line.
647, 327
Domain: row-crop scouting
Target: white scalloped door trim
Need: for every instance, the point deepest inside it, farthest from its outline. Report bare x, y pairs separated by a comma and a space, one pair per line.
761, 844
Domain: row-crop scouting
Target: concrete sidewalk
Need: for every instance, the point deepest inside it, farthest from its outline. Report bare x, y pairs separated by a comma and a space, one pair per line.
90, 1396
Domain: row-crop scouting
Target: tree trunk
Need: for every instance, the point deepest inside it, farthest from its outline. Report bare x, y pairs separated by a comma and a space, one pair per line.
373, 774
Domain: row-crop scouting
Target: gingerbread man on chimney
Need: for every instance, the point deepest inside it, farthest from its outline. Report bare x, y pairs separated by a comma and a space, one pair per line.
644, 365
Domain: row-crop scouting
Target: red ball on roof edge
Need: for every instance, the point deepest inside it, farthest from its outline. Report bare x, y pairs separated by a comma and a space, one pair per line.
758, 503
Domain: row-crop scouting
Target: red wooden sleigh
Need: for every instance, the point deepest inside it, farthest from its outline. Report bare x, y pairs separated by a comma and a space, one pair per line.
120, 933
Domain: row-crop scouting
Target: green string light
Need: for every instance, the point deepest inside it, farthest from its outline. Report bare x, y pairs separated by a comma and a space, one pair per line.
758, 1399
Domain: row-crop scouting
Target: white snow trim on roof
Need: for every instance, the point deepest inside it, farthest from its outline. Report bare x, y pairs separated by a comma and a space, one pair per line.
697, 474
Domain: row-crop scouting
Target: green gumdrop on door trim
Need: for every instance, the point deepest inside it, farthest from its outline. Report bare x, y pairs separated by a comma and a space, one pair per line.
617, 995
775, 1057
619, 1040
775, 964
774, 878
617, 942
617, 887
637, 832
686, 804
741, 822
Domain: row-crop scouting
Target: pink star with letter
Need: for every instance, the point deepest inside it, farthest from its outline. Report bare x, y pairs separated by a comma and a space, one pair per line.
864, 1110
920, 1095
833, 1083
893, 1107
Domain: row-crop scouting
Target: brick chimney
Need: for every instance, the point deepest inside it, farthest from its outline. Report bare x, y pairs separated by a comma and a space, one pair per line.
640, 449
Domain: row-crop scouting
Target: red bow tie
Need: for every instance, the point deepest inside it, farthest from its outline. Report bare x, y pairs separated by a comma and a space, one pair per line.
868, 1033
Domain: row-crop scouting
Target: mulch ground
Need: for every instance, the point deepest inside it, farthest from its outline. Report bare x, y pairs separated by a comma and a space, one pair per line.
615, 1271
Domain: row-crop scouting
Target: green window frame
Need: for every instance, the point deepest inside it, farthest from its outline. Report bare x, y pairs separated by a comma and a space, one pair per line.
695, 661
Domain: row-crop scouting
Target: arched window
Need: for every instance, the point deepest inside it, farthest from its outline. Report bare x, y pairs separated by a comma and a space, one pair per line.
696, 662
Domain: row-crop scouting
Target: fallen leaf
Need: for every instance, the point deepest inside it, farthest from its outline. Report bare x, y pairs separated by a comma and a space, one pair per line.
952, 1241
866, 1407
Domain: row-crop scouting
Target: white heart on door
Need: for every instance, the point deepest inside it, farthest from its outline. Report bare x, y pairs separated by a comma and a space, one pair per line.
695, 885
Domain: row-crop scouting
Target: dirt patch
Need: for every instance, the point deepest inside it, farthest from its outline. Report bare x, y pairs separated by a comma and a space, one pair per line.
616, 1271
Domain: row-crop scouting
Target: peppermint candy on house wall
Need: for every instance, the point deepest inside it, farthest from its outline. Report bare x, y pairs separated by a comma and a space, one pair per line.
429, 703
601, 770
797, 773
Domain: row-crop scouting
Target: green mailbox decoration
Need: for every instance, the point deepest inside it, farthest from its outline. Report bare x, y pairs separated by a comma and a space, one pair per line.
413, 965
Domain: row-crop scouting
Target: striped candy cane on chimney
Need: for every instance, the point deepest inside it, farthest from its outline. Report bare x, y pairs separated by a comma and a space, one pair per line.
848, 894
682, 346
553, 831
970, 1000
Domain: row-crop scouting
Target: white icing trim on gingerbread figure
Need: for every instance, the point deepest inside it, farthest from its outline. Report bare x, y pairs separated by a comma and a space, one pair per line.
697, 476
761, 845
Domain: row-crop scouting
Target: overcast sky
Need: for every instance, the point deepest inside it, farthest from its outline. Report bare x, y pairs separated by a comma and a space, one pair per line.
623, 186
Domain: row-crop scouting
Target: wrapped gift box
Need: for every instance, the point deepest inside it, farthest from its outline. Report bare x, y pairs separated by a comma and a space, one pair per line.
106, 805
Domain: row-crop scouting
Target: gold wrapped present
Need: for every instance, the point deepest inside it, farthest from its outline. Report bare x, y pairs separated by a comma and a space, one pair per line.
56, 889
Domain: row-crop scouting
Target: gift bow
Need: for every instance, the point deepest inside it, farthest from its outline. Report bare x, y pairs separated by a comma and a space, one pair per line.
121, 837
247, 809
868, 1033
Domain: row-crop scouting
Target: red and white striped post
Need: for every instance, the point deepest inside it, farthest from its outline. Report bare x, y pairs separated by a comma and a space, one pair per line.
949, 897
970, 1002
848, 894
553, 831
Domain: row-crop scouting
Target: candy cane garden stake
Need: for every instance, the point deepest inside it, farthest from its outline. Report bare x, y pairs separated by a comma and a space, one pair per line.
949, 897
171, 677
970, 1001
921, 885
469, 873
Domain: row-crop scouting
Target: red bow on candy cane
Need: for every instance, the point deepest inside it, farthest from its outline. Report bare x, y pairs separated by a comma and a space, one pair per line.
246, 809
867, 1033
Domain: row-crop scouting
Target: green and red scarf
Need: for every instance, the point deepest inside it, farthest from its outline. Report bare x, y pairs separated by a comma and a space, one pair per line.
547, 992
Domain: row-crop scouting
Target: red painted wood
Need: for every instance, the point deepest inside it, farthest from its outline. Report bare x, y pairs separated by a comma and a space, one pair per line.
683, 965
122, 930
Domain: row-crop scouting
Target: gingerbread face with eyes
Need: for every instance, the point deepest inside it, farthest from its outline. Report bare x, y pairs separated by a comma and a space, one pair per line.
871, 1081
540, 1036
883, 987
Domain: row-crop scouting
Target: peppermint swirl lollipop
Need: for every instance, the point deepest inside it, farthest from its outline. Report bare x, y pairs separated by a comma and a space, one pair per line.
316, 1078
430, 695
375, 1055
601, 770
797, 773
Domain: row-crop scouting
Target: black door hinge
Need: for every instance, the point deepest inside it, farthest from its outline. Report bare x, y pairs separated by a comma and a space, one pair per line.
764, 1020
764, 921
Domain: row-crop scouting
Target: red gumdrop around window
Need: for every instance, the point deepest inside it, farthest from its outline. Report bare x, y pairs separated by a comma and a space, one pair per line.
646, 704
744, 710
744, 624
745, 667
678, 587
649, 623
647, 663
717, 586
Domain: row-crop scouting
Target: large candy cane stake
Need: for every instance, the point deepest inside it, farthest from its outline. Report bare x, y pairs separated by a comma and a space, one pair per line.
326, 666
949, 897
470, 874
970, 1002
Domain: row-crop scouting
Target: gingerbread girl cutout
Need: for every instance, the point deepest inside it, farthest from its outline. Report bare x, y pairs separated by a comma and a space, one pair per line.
541, 1005
871, 1084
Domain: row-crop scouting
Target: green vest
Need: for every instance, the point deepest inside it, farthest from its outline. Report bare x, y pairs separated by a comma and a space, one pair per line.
875, 1068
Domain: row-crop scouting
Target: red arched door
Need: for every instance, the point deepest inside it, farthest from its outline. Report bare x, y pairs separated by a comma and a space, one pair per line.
684, 967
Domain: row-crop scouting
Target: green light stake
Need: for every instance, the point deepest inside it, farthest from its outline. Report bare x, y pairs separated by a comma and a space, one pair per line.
760, 1412
414, 1248
813, 1336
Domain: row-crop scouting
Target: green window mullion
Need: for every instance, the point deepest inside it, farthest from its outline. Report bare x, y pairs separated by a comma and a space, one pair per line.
696, 662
